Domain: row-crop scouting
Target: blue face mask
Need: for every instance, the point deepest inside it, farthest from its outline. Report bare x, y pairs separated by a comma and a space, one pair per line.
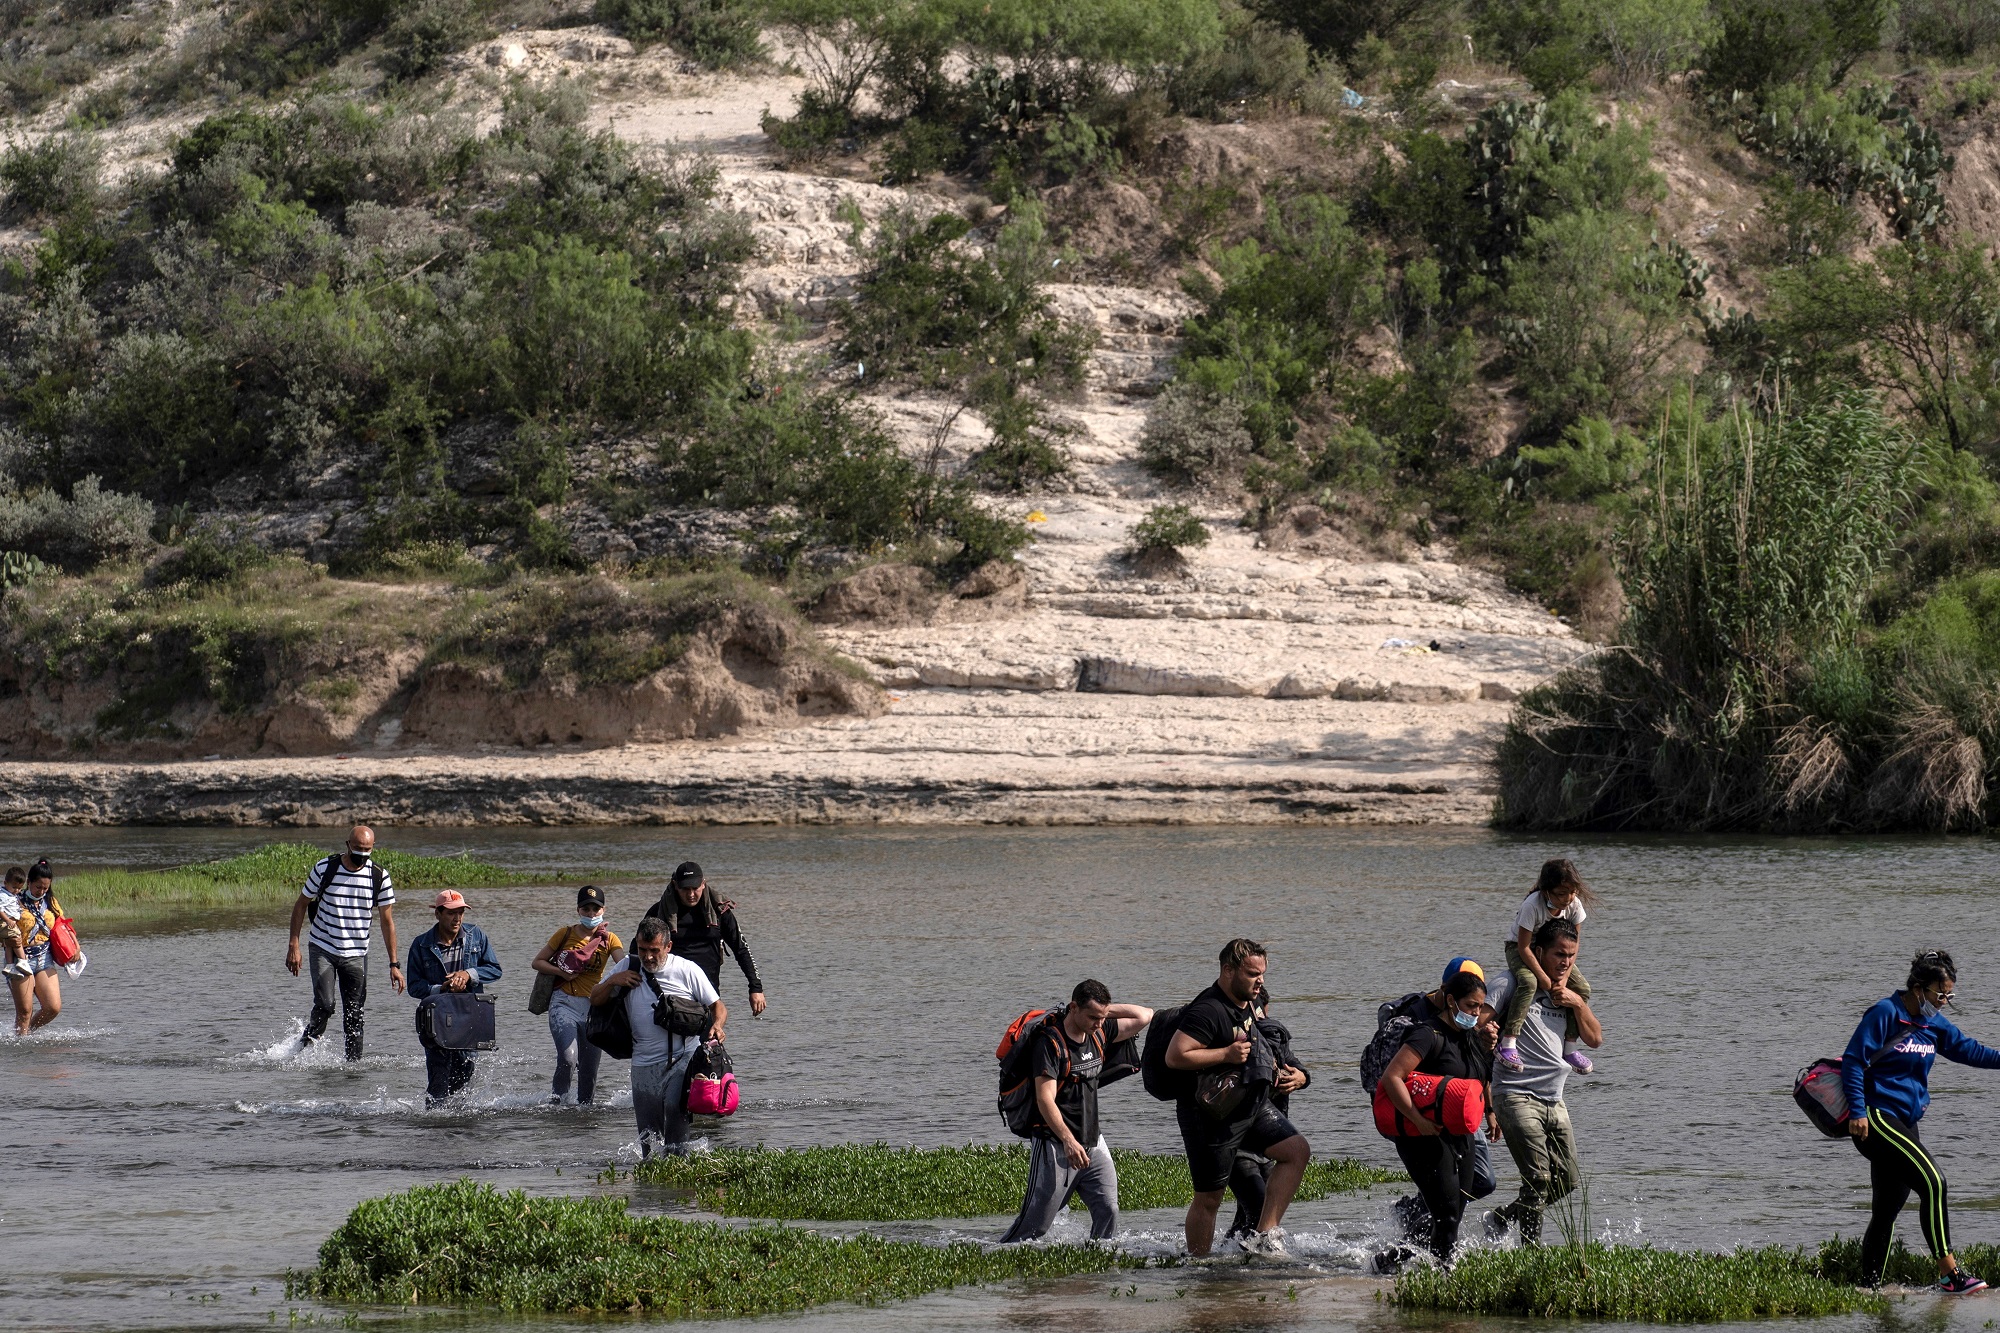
1927, 1009
591, 922
1465, 1020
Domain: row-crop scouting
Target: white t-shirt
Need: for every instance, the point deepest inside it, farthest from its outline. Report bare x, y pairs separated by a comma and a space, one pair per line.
651, 1043
347, 903
1535, 911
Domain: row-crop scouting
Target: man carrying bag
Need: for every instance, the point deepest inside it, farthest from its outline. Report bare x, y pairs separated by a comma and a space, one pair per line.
657, 1010
450, 967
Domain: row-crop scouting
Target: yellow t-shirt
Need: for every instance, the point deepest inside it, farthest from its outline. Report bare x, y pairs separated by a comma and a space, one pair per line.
585, 981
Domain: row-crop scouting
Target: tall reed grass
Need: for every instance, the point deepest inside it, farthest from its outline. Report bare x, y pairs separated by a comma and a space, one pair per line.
878, 1183
468, 1244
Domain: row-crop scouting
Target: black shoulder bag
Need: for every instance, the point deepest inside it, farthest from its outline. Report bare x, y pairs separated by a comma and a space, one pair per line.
609, 1027
681, 1017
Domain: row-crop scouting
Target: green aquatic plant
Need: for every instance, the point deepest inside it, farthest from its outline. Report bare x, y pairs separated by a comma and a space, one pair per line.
1599, 1281
464, 1243
1840, 1261
877, 1183
269, 876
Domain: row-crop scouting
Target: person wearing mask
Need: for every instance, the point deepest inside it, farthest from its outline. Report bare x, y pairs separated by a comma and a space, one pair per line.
1249, 1177
646, 979
1068, 1155
1887, 1073
39, 912
1528, 1091
1214, 1039
576, 957
703, 927
1420, 1006
342, 894
1446, 1043
453, 956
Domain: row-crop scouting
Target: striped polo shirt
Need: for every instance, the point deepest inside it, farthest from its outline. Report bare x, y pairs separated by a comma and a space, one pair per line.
347, 902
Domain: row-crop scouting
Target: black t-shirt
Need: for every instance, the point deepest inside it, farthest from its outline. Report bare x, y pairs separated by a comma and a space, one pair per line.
1448, 1051
1076, 1086
1215, 1020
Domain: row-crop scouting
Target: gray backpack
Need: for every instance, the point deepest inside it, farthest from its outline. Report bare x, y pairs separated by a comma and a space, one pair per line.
1393, 1021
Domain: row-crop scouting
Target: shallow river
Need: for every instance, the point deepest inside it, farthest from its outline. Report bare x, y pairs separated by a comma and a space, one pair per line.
172, 1156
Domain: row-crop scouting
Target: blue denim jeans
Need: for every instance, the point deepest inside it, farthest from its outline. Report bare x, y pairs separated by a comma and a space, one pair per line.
576, 1059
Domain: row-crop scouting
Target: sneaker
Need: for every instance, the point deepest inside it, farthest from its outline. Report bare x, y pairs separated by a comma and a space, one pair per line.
1578, 1061
1389, 1262
1960, 1283
1266, 1244
1509, 1059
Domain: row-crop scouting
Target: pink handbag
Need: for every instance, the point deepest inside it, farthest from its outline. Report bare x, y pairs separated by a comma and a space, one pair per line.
711, 1085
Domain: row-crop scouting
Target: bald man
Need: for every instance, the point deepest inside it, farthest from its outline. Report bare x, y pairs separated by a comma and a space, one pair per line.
341, 896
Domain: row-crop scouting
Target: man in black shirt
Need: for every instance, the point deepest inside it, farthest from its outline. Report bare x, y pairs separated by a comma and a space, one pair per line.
702, 927
1069, 1155
1214, 1040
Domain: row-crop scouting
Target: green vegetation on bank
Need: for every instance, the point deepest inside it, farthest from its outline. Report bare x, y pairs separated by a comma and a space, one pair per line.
1630, 1282
1640, 1283
269, 876
469, 1244
878, 1183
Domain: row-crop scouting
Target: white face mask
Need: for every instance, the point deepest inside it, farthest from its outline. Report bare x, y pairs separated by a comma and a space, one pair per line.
590, 922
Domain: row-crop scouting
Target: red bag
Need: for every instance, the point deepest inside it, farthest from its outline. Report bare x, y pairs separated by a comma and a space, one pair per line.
63, 948
1454, 1105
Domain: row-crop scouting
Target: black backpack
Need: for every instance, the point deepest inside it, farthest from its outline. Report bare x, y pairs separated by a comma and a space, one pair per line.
1163, 1083
1393, 1021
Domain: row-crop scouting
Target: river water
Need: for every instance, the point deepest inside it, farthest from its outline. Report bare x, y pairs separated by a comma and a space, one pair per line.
173, 1156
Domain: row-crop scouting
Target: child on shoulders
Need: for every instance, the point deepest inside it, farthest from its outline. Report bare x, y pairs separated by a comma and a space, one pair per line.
1559, 892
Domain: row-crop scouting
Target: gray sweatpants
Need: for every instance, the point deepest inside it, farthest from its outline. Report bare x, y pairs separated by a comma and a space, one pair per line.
659, 1103
1051, 1181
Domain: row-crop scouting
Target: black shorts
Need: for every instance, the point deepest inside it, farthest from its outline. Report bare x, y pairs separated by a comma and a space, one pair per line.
1211, 1148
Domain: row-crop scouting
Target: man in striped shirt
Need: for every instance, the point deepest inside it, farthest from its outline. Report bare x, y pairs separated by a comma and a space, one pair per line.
342, 895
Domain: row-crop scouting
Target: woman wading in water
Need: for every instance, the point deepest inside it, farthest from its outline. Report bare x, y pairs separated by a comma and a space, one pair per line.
1887, 1071
39, 913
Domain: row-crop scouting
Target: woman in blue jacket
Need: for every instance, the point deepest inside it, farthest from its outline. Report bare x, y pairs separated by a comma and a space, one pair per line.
453, 955
1887, 1072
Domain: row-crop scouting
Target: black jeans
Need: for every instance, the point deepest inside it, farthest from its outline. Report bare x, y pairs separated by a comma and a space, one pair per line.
446, 1073
1443, 1169
349, 978
1898, 1162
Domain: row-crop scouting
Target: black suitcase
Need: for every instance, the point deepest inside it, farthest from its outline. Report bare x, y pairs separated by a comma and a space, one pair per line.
456, 1021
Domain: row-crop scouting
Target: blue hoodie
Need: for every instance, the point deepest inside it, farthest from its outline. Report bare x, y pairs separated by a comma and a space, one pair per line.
1888, 1062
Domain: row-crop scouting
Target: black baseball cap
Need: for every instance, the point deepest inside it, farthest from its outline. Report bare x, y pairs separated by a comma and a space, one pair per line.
590, 896
687, 875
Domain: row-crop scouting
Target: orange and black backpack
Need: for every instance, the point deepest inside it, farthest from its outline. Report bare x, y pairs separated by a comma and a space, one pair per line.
1017, 1068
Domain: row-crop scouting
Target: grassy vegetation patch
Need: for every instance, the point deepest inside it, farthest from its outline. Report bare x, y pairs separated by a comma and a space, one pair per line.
877, 1183
268, 876
1633, 1282
468, 1244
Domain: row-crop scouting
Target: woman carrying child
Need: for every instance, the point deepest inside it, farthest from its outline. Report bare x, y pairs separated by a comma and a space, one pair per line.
576, 957
1559, 892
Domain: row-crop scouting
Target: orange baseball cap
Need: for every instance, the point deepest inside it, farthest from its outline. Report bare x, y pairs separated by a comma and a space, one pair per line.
450, 898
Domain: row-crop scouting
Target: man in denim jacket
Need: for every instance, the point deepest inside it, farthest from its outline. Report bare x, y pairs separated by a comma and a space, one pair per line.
451, 956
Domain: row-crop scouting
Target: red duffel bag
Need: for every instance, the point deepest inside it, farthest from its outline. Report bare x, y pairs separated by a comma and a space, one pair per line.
1454, 1105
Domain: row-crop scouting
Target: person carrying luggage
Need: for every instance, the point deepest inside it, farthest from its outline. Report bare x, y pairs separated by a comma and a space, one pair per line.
1064, 1060
672, 1009
1223, 1102
36, 924
454, 957
1250, 1177
1444, 1044
1887, 1073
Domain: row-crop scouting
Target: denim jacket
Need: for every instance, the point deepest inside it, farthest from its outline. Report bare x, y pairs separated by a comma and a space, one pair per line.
424, 974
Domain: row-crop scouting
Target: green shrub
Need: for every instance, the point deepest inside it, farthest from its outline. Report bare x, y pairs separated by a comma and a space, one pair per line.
1557, 43
1804, 223
56, 174
1630, 1282
921, 148
1768, 44
468, 1244
91, 527
1256, 62
1168, 528
1193, 436
717, 33
1339, 27
209, 553
1855, 141
1947, 29
1287, 315
423, 35
1594, 458
1595, 311
810, 133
